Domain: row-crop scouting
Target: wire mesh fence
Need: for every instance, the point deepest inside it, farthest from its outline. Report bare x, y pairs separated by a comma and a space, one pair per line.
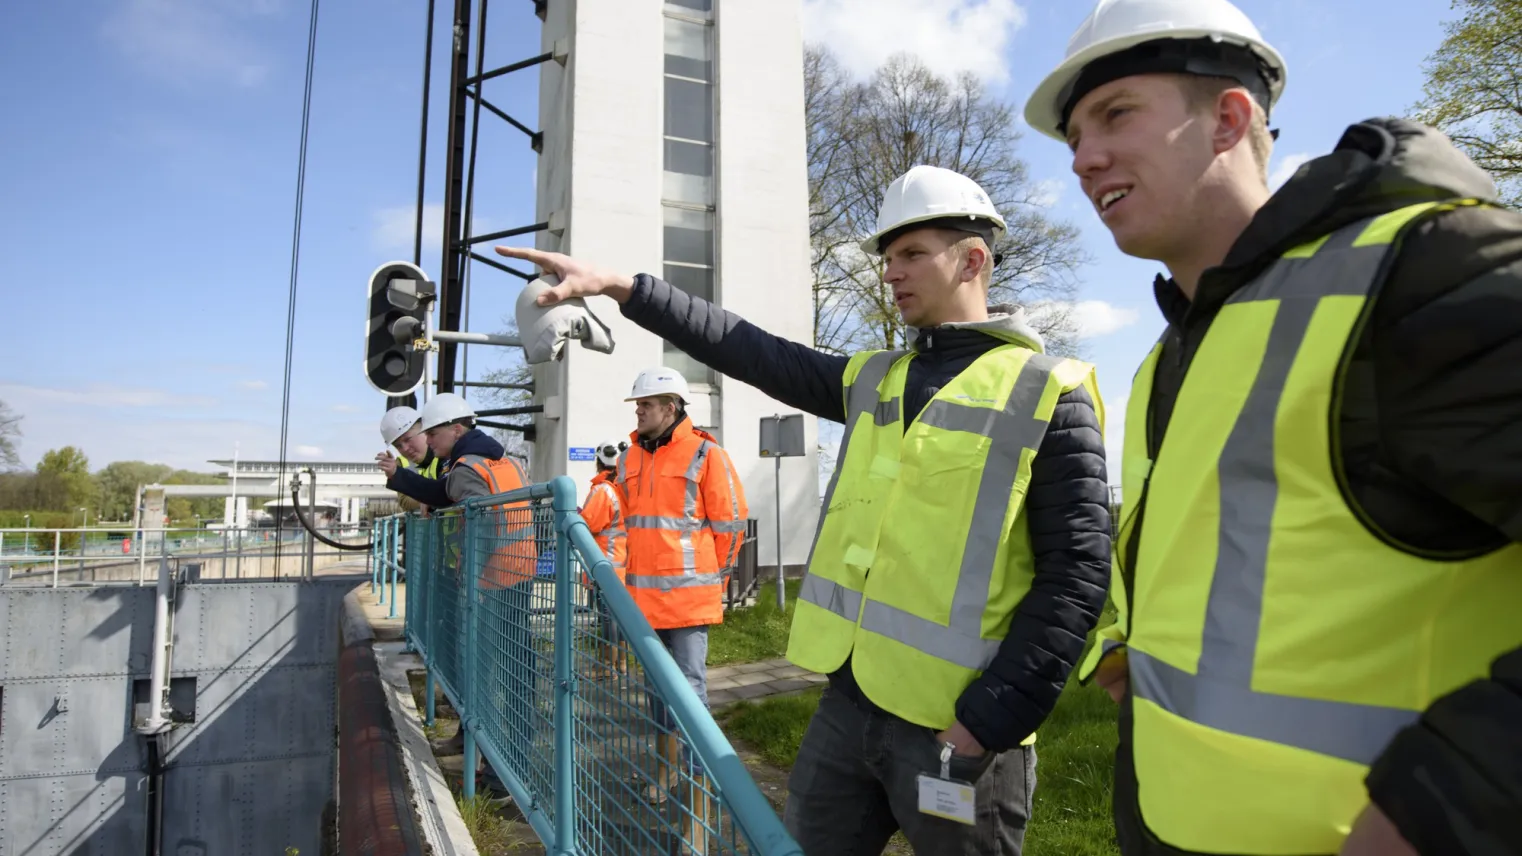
576, 703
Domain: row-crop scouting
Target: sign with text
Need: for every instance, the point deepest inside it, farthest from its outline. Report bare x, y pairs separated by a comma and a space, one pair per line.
583, 453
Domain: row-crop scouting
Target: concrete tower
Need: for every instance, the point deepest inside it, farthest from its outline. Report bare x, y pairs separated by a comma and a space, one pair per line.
674, 145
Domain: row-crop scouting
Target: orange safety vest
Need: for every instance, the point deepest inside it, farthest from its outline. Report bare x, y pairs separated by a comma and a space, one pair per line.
685, 521
604, 515
514, 552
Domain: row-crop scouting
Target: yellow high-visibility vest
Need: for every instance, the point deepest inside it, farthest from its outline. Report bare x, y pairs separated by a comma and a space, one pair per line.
1277, 641
923, 553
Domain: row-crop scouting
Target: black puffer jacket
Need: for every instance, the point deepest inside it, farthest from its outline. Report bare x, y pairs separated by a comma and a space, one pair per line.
1431, 428
1067, 502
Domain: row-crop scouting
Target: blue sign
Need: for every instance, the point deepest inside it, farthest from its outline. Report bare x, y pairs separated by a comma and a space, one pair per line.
583, 453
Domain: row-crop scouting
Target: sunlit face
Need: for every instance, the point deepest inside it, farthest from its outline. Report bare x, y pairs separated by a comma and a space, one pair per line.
654, 414
441, 438
923, 268
1140, 155
412, 445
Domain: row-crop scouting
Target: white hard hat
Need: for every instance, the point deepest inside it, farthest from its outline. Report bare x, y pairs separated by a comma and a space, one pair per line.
1206, 37
607, 453
396, 422
932, 193
444, 408
659, 381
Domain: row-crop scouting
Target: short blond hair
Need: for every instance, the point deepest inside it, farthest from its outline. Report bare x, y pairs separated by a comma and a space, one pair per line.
1201, 93
962, 243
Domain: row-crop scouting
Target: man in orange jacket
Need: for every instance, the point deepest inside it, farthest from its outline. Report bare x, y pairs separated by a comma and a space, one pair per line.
604, 516
686, 520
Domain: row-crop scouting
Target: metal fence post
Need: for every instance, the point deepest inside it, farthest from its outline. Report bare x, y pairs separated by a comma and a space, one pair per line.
375, 551
430, 561
564, 505
468, 575
393, 558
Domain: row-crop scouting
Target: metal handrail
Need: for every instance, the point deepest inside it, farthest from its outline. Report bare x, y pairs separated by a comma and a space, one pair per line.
553, 806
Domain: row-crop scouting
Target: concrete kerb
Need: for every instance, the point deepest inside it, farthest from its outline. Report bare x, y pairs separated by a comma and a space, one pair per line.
432, 801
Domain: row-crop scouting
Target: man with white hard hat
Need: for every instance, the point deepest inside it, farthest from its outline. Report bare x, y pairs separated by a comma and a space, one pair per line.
963, 553
414, 468
473, 466
1318, 570
682, 533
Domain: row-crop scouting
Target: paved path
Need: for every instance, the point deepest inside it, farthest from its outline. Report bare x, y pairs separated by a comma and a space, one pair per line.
754, 681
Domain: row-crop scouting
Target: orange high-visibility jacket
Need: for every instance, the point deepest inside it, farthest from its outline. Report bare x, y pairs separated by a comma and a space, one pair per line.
604, 514
512, 552
685, 517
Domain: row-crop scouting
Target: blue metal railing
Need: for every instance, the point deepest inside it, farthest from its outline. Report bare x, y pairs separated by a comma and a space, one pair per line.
522, 622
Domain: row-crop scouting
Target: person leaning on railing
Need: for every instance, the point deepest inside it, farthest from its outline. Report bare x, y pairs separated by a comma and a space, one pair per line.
414, 471
604, 516
472, 466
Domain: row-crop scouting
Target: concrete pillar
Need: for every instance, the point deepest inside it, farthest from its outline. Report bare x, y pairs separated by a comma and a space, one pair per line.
227, 510
242, 512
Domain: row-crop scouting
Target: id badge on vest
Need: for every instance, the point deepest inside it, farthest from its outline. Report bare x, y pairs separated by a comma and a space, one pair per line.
944, 796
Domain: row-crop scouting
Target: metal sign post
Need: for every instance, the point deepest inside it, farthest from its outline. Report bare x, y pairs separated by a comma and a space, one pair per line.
781, 437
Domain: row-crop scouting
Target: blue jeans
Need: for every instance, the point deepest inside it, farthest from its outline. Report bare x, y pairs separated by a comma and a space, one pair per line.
689, 648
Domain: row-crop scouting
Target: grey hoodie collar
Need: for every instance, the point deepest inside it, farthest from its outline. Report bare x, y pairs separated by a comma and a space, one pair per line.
1006, 322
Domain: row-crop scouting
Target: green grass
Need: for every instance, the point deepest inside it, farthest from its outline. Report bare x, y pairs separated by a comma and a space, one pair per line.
488, 830
1075, 752
754, 633
773, 727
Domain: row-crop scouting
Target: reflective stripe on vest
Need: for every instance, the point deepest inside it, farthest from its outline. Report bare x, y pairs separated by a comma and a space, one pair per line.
612, 539
1248, 646
514, 550
677, 550
975, 438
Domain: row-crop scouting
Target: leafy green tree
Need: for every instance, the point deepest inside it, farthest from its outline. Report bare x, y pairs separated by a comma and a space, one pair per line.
71, 469
118, 483
1474, 89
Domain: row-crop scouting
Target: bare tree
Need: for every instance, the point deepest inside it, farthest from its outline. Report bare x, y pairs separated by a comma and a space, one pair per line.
517, 373
1474, 89
10, 431
861, 136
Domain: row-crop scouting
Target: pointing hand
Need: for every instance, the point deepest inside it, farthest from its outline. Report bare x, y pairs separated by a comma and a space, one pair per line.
577, 278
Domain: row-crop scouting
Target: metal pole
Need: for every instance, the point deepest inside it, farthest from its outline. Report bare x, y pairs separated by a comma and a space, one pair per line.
391, 561
781, 590
565, 688
157, 679
57, 545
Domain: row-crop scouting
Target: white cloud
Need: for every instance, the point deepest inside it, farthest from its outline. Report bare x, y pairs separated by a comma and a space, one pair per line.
395, 227
1089, 319
186, 41
309, 451
950, 37
1286, 169
253, 384
1048, 192
23, 398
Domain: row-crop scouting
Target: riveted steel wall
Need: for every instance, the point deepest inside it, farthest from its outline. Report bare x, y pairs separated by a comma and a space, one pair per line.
253, 773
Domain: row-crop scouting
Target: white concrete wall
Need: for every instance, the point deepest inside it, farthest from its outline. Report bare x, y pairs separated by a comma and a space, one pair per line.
763, 244
602, 166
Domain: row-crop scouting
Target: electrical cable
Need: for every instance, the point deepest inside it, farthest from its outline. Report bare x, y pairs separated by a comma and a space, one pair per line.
290, 314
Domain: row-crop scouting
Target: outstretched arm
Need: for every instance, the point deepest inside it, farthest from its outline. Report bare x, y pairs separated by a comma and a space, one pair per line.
792, 373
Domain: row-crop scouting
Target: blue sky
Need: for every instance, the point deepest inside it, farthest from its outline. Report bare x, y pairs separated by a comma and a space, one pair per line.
148, 175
